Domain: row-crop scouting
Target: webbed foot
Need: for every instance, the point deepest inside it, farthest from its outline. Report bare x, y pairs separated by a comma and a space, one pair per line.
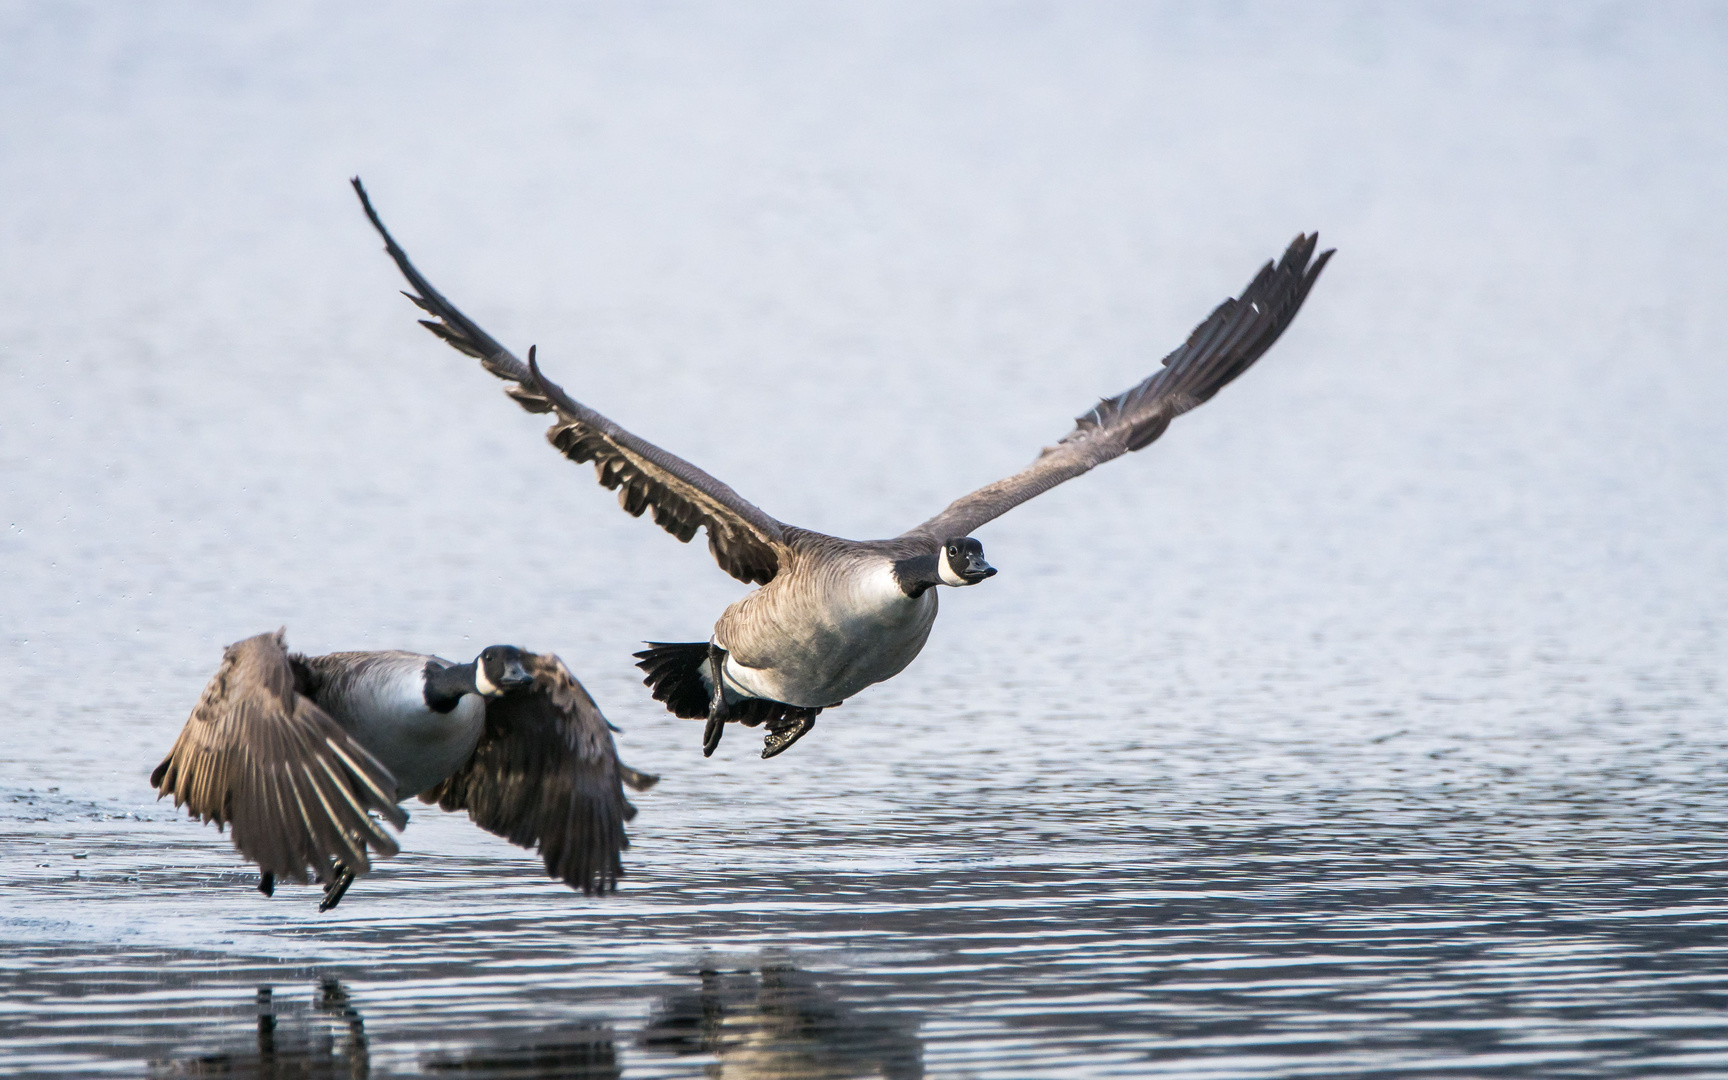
336, 887
783, 732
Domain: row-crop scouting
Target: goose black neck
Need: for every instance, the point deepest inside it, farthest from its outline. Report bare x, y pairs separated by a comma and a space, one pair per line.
917, 573
446, 685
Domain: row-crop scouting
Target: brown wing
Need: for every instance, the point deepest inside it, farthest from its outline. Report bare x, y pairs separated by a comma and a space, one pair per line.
298, 790
683, 498
546, 775
1224, 346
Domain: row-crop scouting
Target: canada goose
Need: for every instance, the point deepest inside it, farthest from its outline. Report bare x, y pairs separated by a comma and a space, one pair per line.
834, 616
299, 752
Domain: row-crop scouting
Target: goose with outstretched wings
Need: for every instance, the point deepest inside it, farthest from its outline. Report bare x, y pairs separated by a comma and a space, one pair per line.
834, 616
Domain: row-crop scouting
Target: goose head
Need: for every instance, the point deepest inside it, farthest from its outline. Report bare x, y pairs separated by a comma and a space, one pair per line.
499, 669
961, 562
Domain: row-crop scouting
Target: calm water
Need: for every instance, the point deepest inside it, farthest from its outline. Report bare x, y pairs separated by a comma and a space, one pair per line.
1372, 724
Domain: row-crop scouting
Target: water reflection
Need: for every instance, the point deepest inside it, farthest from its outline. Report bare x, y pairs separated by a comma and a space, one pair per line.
772, 1021
583, 1053
782, 1022
328, 1041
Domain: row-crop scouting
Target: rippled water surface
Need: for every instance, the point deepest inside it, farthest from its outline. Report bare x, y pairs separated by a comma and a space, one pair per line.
1370, 724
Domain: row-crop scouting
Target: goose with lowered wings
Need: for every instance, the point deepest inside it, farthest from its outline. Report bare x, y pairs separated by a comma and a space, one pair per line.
306, 758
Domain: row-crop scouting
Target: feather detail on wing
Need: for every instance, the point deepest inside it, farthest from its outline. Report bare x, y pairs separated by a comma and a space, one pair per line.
298, 790
682, 497
546, 775
1222, 347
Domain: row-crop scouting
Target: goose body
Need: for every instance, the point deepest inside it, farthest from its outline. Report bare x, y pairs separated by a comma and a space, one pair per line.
834, 616
386, 700
835, 621
307, 758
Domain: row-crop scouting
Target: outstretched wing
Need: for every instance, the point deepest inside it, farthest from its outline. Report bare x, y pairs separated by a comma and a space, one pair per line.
546, 775
298, 789
1224, 346
744, 540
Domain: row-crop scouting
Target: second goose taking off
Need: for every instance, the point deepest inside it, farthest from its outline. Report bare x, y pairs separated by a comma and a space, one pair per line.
303, 755
834, 616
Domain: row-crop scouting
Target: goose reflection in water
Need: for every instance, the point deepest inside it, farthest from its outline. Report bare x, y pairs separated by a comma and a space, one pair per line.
328, 1042
780, 1025
772, 1023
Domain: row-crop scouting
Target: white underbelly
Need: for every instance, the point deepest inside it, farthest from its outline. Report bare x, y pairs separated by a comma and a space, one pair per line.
421, 748
833, 652
818, 687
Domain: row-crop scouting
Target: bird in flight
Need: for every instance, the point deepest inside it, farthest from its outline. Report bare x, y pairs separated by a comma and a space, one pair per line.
834, 616
307, 757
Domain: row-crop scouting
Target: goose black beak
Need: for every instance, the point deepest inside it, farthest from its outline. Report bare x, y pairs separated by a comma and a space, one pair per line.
515, 677
977, 569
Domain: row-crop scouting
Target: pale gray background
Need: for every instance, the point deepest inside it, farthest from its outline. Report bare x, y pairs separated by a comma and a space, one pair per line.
857, 260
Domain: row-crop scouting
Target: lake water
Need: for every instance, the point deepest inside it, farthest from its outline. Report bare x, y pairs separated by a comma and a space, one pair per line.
1370, 724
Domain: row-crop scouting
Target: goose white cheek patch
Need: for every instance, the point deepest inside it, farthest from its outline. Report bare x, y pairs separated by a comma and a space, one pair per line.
946, 571
481, 682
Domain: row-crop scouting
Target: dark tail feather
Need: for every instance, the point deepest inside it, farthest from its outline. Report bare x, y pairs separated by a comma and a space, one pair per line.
675, 675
